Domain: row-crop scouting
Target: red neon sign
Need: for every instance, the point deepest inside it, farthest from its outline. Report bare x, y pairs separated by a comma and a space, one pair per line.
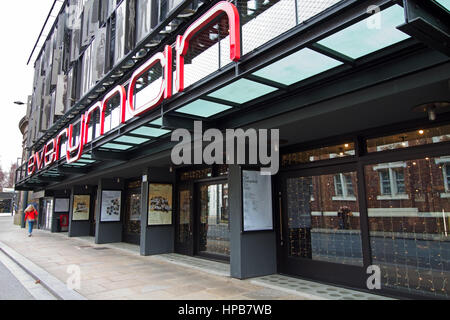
52, 150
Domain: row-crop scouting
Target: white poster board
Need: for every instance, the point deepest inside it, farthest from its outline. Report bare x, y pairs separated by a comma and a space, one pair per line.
62, 205
257, 201
111, 204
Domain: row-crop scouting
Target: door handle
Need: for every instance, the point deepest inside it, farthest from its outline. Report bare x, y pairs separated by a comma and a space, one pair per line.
281, 219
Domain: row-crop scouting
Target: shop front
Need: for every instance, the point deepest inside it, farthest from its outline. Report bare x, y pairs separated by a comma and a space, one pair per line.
363, 116
385, 204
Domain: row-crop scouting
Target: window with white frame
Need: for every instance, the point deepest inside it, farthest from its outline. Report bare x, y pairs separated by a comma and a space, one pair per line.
392, 181
446, 169
444, 163
343, 187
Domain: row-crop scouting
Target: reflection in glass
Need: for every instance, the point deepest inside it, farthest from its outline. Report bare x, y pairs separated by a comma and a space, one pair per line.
184, 222
324, 153
119, 50
409, 139
409, 209
133, 212
364, 37
323, 226
214, 235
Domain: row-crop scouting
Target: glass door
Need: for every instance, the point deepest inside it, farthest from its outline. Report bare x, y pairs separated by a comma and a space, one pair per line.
132, 221
184, 221
319, 227
213, 220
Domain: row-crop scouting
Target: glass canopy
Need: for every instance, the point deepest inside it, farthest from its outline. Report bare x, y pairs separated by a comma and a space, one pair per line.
203, 108
444, 3
369, 35
150, 132
242, 91
298, 66
157, 122
116, 146
131, 140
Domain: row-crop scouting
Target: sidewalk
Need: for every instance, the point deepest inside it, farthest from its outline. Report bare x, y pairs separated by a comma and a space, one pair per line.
112, 273
117, 272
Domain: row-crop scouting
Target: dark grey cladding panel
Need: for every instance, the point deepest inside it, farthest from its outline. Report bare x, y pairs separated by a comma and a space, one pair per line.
108, 232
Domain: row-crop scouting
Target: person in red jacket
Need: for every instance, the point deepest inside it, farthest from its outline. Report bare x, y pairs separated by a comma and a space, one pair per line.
31, 215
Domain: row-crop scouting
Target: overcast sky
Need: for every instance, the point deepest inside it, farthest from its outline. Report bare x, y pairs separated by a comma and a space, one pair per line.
20, 24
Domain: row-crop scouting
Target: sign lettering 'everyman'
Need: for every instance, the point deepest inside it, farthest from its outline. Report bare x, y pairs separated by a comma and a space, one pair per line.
51, 152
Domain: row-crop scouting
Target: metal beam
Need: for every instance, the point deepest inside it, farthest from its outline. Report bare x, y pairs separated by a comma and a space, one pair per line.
429, 23
72, 170
175, 122
51, 179
332, 53
109, 155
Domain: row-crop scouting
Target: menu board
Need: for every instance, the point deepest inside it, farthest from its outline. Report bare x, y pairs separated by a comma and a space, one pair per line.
160, 204
111, 202
80, 210
62, 205
257, 201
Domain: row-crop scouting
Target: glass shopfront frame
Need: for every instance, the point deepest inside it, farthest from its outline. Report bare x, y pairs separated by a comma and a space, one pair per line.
403, 231
201, 230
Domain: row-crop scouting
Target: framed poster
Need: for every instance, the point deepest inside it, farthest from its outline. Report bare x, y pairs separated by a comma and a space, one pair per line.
62, 205
111, 205
160, 204
257, 201
80, 211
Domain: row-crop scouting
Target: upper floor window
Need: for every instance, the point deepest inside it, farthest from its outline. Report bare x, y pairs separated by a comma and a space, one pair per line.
447, 177
392, 181
444, 163
343, 187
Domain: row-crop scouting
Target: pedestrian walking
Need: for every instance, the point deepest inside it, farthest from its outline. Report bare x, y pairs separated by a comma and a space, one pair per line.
31, 215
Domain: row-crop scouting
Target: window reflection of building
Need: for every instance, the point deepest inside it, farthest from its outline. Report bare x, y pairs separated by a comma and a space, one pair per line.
343, 186
392, 181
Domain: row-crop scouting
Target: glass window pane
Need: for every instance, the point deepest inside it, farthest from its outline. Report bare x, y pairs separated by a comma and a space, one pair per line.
242, 91
399, 180
349, 184
150, 132
133, 140
444, 3
157, 122
447, 176
409, 139
116, 146
338, 185
203, 108
409, 235
298, 66
214, 233
365, 37
325, 153
319, 228
385, 182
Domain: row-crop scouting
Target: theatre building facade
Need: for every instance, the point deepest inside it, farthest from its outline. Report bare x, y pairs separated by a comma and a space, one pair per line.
360, 94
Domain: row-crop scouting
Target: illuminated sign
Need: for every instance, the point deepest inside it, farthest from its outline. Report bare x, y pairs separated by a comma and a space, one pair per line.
51, 151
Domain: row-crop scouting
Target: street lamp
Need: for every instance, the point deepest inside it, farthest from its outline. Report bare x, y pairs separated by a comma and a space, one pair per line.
19, 103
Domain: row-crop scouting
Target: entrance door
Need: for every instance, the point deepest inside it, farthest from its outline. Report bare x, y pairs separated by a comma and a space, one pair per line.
132, 221
184, 221
213, 236
319, 231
